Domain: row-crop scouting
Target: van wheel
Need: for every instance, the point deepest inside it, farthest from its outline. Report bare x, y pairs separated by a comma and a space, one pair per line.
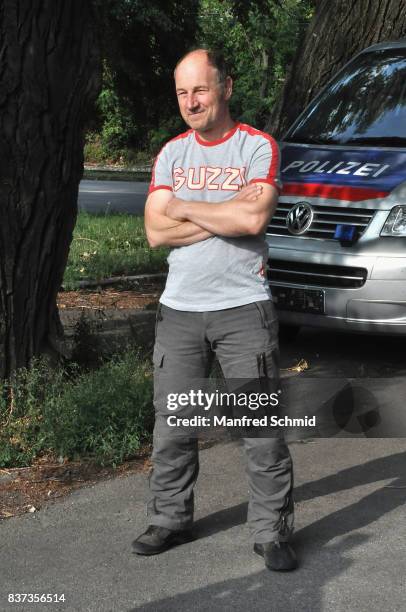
288, 333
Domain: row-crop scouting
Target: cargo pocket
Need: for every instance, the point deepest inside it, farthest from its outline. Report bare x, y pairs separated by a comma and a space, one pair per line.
158, 357
268, 317
159, 393
158, 317
262, 314
268, 370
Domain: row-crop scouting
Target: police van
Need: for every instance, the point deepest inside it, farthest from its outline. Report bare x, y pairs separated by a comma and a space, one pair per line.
337, 241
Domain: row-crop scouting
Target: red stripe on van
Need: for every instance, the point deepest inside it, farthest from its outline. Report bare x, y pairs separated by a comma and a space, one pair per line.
352, 194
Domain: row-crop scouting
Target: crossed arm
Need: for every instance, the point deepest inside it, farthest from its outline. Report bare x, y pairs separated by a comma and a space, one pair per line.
170, 221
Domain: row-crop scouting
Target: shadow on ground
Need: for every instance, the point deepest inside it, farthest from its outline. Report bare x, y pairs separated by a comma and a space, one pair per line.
322, 560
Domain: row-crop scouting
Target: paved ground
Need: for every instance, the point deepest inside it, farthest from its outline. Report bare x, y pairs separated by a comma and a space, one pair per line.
112, 196
350, 537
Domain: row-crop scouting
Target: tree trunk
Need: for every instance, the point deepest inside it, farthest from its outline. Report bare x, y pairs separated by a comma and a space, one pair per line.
265, 73
338, 30
49, 74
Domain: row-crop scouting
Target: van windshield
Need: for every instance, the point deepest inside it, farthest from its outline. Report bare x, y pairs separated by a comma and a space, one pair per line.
365, 105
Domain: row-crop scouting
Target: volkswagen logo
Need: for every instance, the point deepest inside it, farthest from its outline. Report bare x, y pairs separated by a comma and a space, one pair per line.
299, 218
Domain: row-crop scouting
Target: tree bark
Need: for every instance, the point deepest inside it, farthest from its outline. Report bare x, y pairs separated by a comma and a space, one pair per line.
338, 30
49, 75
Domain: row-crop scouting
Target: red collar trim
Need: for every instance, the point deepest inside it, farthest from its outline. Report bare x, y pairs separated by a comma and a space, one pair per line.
213, 143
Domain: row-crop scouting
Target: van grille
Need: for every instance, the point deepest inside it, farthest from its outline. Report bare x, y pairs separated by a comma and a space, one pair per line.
318, 275
325, 220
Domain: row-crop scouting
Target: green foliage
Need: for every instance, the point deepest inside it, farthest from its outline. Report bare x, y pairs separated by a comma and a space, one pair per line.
105, 414
119, 127
258, 40
105, 245
166, 130
94, 151
141, 42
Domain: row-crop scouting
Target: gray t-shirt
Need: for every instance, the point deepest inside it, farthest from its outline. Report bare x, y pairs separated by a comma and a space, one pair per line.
220, 272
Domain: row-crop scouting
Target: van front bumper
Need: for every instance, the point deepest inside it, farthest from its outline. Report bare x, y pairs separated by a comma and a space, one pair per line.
376, 307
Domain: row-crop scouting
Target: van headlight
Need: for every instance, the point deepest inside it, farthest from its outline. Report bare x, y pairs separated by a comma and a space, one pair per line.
395, 224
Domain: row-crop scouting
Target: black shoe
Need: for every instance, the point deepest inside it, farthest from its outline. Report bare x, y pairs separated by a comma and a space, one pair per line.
157, 539
279, 556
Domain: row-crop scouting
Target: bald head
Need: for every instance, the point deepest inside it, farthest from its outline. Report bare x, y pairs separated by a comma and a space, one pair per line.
211, 57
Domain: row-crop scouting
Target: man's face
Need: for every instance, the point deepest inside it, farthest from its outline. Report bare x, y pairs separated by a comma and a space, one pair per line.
203, 101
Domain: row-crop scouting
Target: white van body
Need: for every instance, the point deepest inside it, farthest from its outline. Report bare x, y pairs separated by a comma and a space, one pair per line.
337, 241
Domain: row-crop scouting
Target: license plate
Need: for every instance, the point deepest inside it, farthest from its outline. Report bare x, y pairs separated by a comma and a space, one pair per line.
298, 300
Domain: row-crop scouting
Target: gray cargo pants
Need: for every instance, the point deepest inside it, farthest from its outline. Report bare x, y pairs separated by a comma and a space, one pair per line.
244, 339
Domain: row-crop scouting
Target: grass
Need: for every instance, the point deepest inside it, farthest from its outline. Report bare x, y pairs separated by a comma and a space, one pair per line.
104, 415
110, 245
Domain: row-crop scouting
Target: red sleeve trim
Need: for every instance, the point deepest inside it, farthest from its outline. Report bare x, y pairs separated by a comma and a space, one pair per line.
269, 181
151, 185
274, 165
156, 187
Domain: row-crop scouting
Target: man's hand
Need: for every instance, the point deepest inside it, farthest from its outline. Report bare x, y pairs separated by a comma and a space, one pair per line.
249, 193
174, 209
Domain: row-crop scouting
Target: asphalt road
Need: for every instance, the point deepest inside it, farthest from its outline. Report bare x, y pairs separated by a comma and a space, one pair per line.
112, 196
349, 536
341, 354
351, 378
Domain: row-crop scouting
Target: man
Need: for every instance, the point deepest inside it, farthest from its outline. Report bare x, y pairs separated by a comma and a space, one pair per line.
213, 191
